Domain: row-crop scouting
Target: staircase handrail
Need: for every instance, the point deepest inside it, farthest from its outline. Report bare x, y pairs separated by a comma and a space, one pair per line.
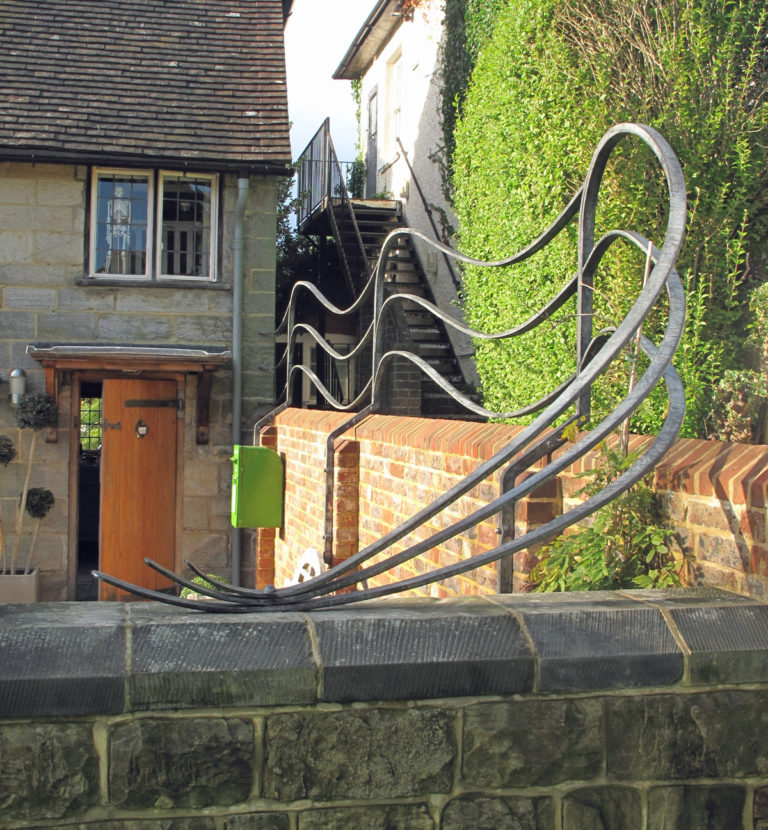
428, 211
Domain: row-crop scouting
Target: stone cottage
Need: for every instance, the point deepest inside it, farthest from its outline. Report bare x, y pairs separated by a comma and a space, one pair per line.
141, 148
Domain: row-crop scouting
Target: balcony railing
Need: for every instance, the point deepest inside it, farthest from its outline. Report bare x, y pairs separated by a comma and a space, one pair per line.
321, 186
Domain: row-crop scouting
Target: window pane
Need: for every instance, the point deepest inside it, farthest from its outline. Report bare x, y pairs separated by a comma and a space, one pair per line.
186, 226
121, 224
90, 423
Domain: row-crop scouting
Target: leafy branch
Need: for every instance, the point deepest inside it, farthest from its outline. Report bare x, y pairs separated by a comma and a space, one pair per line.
627, 545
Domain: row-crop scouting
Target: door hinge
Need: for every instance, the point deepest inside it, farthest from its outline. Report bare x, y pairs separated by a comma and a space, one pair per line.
157, 403
104, 424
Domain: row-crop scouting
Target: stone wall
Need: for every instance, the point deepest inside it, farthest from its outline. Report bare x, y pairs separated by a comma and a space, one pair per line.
714, 493
44, 297
614, 711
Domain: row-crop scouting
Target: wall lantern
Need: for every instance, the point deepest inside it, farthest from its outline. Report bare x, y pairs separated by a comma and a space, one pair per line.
18, 381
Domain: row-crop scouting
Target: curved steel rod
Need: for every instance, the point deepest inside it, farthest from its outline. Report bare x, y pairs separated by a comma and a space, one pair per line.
557, 302
325, 392
595, 353
327, 348
325, 583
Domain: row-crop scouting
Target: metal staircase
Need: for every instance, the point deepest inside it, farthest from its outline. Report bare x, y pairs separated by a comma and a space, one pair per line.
424, 333
360, 228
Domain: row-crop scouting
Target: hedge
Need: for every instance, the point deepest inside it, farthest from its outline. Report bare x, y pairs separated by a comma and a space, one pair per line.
546, 82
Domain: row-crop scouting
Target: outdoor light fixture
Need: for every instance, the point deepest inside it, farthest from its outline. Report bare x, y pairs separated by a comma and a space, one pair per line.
18, 380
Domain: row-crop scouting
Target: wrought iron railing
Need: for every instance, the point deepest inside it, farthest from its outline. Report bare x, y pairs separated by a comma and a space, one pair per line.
568, 403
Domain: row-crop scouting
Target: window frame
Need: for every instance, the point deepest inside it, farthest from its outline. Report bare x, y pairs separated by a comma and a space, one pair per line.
93, 223
154, 248
214, 225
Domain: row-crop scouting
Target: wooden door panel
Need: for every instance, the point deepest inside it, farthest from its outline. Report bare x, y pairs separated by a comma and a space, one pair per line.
138, 482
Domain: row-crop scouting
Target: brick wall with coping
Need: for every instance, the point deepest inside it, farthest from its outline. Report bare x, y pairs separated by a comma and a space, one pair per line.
714, 493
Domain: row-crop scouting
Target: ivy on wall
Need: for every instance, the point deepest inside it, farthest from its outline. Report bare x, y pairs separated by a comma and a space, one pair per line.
542, 81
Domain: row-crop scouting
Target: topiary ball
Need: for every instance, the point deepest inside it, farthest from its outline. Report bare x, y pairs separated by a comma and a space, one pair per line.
39, 502
37, 412
7, 450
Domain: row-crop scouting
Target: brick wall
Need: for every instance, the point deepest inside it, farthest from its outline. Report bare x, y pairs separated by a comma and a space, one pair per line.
714, 493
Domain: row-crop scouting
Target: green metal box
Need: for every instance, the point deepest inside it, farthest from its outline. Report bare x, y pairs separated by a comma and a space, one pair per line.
257, 487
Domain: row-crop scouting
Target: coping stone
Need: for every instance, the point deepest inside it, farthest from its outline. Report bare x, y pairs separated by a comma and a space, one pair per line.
597, 640
62, 658
183, 659
108, 658
727, 643
422, 648
726, 633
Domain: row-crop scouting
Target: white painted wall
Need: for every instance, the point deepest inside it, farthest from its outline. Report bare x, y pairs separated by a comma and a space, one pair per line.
406, 77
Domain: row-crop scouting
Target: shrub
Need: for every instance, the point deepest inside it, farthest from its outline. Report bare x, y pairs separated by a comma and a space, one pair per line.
627, 544
7, 450
37, 412
188, 593
39, 502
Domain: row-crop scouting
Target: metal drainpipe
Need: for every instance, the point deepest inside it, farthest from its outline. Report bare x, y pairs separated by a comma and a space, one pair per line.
237, 351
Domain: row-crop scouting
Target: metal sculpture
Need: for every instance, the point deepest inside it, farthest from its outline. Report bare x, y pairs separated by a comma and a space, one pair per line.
594, 354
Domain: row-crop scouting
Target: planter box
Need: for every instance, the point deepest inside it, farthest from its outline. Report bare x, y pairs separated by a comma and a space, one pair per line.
20, 587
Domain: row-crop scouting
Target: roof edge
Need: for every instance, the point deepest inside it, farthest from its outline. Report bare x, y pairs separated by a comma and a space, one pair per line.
48, 155
378, 28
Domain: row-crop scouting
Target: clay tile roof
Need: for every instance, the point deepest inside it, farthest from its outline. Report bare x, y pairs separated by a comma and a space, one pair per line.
196, 81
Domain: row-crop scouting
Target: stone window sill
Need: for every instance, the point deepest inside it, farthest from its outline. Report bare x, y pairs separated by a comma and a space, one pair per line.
119, 283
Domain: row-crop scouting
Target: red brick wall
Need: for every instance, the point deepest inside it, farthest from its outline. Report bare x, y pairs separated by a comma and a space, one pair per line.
388, 467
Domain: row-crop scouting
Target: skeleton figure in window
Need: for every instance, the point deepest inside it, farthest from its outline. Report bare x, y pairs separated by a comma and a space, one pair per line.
118, 230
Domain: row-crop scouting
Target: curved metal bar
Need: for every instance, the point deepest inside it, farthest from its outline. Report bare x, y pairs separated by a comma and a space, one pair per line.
207, 590
327, 348
460, 397
327, 304
594, 354
565, 216
325, 392
167, 599
557, 302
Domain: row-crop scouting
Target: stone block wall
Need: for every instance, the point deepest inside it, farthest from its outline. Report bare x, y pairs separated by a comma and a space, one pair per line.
715, 494
44, 297
616, 711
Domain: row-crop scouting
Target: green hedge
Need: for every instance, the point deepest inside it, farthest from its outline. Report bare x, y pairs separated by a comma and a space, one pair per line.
547, 83
468, 26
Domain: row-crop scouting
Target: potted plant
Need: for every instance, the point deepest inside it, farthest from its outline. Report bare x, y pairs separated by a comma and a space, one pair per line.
21, 584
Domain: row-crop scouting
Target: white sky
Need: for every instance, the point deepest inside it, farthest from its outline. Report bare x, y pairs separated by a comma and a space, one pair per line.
317, 36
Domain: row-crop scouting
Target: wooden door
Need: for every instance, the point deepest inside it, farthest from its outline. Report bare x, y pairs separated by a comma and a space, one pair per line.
138, 482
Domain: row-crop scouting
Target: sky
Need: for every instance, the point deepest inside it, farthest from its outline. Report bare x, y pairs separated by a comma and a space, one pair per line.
317, 36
